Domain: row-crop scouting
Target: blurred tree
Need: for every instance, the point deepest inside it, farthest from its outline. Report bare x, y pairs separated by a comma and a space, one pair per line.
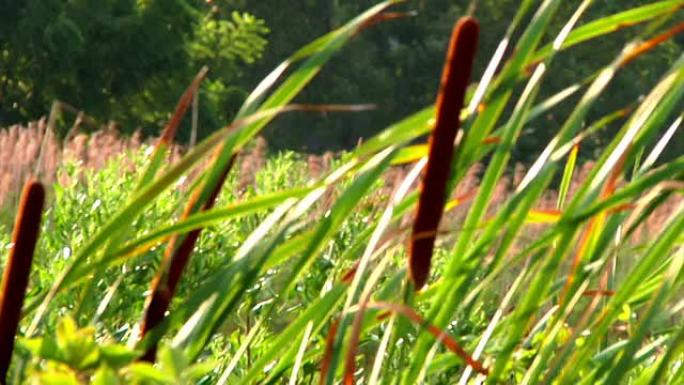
129, 60
123, 60
397, 65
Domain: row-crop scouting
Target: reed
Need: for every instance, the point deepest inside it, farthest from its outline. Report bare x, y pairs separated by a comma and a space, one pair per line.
15, 277
450, 100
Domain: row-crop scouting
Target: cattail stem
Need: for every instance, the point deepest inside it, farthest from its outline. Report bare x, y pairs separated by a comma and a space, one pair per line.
442, 336
450, 100
169, 131
175, 259
16, 275
327, 356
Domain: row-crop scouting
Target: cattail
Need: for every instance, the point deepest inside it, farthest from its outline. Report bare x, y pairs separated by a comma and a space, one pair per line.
169, 131
180, 247
455, 78
16, 275
329, 345
176, 258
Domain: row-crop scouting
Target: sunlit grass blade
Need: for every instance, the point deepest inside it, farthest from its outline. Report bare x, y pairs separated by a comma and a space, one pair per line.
256, 329
284, 94
660, 146
655, 107
355, 295
300, 354
627, 289
492, 325
339, 212
220, 299
410, 154
613, 23
318, 312
205, 219
169, 132
568, 172
667, 287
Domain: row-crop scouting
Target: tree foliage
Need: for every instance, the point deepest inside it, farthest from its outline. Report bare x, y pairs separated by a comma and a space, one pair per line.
397, 64
128, 61
122, 60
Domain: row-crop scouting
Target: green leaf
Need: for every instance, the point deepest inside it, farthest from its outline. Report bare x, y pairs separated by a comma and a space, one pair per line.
105, 376
117, 356
144, 372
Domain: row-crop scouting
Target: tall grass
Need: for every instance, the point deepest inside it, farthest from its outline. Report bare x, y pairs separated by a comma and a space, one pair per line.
521, 289
34, 148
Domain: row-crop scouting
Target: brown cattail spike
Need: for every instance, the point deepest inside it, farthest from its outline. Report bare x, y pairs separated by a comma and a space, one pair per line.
16, 275
182, 106
177, 255
455, 78
327, 356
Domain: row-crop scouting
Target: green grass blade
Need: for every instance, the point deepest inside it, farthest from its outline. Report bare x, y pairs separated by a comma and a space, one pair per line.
318, 313
613, 23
